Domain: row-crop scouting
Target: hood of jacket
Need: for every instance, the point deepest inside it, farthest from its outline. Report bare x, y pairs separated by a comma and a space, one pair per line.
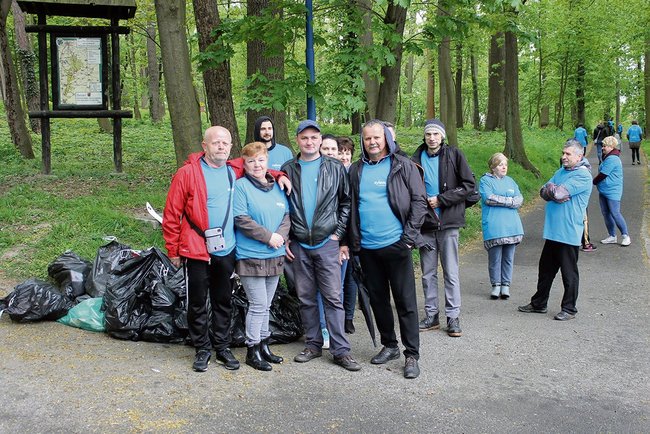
390, 144
582, 164
256, 130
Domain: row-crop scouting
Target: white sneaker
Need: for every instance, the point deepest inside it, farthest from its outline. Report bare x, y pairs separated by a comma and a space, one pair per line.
326, 339
626, 241
609, 240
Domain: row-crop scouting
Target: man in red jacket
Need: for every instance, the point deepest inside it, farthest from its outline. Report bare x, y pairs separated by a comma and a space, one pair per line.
198, 228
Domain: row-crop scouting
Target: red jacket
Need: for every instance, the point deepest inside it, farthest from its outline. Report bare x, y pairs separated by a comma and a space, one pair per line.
188, 196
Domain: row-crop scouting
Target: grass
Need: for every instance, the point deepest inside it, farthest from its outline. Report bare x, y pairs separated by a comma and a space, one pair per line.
84, 201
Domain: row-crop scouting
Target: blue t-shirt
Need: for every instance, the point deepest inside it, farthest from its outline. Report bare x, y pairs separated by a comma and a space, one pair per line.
612, 186
379, 226
634, 133
580, 134
267, 209
279, 155
431, 177
564, 222
499, 221
309, 171
219, 194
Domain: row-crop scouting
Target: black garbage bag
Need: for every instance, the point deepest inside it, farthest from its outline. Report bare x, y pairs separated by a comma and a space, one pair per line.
35, 300
70, 272
238, 315
139, 302
109, 256
285, 323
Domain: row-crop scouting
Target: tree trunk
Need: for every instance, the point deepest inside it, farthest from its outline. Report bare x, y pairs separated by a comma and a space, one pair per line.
181, 96
540, 86
646, 82
476, 116
514, 148
496, 92
580, 92
272, 67
459, 85
390, 74
134, 74
446, 84
218, 84
11, 93
370, 77
431, 86
27, 59
408, 115
153, 74
544, 116
618, 104
564, 77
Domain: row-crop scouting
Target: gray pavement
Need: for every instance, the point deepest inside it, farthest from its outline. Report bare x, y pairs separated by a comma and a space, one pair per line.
509, 372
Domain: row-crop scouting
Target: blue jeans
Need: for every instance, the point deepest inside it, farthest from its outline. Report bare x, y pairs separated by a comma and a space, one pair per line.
500, 261
611, 210
259, 291
599, 150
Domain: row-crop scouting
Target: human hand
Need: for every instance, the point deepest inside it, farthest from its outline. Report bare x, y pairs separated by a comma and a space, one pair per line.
433, 202
288, 253
176, 261
276, 241
285, 184
344, 254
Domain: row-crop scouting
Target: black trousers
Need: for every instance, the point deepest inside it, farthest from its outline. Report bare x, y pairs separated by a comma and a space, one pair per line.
563, 257
393, 265
210, 279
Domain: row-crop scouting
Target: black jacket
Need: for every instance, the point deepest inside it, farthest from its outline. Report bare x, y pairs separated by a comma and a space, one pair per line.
406, 196
456, 182
332, 202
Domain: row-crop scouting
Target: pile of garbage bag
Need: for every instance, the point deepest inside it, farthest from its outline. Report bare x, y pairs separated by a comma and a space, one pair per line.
134, 295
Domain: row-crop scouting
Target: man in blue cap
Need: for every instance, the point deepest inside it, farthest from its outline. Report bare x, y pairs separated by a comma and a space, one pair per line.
319, 206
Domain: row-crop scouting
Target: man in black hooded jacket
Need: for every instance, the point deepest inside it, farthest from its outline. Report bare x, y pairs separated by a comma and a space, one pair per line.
264, 132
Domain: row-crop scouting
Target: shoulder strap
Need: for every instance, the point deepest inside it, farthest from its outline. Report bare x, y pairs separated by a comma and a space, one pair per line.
225, 220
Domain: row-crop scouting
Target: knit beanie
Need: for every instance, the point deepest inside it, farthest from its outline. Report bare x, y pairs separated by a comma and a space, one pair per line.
435, 125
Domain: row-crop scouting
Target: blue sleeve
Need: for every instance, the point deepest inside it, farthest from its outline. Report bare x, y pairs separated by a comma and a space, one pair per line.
241, 203
579, 183
485, 188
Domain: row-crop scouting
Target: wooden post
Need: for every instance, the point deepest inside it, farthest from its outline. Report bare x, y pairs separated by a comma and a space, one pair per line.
46, 146
117, 97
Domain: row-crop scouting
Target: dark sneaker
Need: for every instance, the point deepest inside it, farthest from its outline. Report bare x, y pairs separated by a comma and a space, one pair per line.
411, 368
564, 316
201, 360
529, 308
349, 326
588, 248
347, 362
228, 360
453, 328
306, 355
431, 322
386, 354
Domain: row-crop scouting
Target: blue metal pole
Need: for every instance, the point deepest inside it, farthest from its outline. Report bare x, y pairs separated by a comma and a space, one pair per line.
309, 53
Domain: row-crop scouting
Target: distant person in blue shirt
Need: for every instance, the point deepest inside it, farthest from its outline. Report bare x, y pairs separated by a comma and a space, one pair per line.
635, 135
264, 132
580, 134
609, 182
502, 228
567, 195
619, 130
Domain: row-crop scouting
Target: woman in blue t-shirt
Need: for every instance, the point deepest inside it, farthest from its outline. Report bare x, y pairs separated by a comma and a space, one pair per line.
609, 182
502, 228
262, 226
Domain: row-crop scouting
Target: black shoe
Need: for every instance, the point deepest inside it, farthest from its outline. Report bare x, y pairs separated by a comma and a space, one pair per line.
228, 360
201, 360
255, 360
306, 355
386, 354
266, 353
564, 316
411, 368
529, 308
349, 326
453, 328
347, 362
429, 323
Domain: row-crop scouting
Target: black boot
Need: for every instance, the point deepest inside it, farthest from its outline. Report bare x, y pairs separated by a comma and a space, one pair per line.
254, 359
266, 353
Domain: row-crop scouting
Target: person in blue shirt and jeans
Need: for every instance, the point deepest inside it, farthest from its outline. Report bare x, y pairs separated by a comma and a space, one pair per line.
580, 134
635, 135
567, 195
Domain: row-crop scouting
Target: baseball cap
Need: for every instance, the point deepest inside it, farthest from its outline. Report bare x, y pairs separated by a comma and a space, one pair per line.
302, 126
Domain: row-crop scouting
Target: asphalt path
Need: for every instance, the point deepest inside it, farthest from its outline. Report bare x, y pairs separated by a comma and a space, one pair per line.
509, 372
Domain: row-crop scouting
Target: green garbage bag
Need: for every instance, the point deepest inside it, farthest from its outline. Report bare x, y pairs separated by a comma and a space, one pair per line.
86, 315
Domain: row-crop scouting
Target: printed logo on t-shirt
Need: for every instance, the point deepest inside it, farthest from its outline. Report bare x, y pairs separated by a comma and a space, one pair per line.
380, 183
